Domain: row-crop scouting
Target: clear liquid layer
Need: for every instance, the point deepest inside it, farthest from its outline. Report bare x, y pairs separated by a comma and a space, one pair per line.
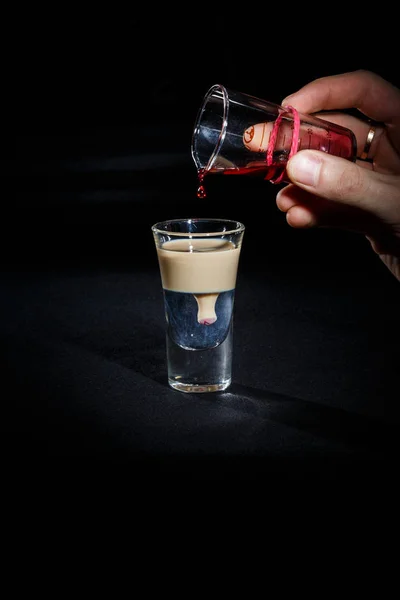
198, 322
202, 370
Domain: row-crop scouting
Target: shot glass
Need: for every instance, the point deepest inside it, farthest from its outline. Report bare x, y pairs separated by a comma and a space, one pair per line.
198, 261
238, 134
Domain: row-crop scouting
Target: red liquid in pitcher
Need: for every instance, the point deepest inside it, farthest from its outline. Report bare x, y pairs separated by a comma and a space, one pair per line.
336, 141
261, 170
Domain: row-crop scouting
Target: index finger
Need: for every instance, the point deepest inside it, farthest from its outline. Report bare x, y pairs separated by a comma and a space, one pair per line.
368, 92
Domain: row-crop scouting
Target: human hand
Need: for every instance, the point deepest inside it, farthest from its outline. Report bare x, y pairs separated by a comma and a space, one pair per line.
328, 191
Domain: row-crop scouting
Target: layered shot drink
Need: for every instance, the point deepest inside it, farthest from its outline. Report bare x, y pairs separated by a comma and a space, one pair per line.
198, 261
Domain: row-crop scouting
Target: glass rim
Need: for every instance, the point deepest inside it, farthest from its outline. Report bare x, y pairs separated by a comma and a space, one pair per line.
225, 97
160, 227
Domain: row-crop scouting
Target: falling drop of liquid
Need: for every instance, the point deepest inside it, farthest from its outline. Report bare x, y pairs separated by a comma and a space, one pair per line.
201, 192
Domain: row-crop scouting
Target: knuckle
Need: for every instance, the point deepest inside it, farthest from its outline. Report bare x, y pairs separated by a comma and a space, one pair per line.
367, 74
350, 183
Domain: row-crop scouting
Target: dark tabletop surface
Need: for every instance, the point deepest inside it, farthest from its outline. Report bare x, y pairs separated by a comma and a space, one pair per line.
316, 322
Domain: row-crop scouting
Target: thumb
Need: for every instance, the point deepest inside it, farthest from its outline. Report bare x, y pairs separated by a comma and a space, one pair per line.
340, 180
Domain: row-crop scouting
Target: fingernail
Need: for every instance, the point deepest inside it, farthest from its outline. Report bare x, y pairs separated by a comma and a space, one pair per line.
304, 168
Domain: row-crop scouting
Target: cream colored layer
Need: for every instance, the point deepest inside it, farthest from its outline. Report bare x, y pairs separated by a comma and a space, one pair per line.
198, 265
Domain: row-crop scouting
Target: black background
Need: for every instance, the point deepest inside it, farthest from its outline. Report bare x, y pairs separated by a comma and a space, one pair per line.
96, 149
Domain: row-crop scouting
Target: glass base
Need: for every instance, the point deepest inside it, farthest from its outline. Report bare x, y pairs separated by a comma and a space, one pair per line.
198, 388
199, 371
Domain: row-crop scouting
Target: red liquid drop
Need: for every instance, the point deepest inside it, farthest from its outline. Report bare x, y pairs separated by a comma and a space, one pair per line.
201, 192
